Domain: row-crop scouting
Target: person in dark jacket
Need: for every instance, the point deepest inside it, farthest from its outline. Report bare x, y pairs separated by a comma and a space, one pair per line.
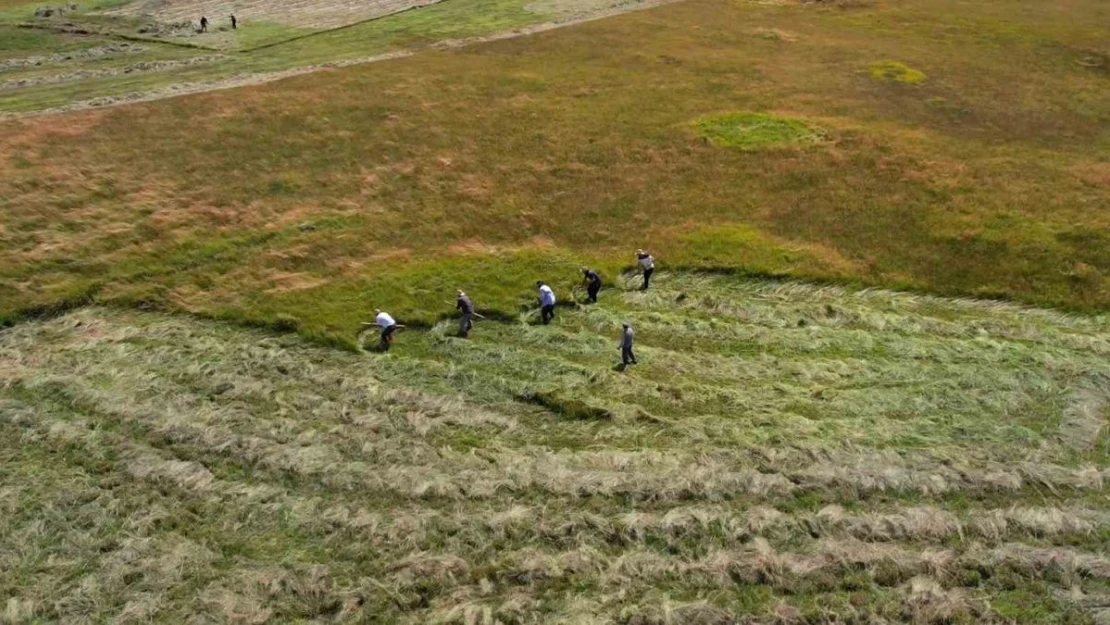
466, 307
592, 282
203, 24
627, 337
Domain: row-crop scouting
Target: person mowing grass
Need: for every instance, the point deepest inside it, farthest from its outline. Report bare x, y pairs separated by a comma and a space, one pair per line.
466, 307
547, 302
647, 267
389, 326
627, 337
592, 282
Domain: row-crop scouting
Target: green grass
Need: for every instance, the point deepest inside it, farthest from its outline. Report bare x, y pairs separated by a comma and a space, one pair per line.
893, 71
408, 30
895, 456
18, 42
259, 33
21, 10
753, 130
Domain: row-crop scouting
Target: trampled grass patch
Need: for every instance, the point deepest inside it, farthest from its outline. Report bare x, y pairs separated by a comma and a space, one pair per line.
749, 130
780, 449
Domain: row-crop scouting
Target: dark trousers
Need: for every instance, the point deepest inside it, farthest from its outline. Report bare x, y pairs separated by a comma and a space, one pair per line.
387, 336
591, 292
547, 313
647, 278
627, 357
465, 324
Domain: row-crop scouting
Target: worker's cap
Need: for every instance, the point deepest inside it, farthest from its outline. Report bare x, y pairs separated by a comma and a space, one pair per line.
639, 251
539, 282
625, 326
377, 310
461, 292
585, 269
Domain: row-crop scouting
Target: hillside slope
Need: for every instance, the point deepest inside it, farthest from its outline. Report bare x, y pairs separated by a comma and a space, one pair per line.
944, 146
783, 453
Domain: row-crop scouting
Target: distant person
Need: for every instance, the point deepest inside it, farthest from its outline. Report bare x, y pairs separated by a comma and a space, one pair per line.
627, 336
234, 23
466, 307
547, 303
203, 24
388, 326
647, 267
592, 282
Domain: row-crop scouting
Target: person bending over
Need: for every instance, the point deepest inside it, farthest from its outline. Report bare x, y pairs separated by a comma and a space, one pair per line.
388, 326
592, 282
547, 303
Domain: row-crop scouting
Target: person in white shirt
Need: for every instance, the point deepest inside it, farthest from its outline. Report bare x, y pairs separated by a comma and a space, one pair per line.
547, 303
388, 325
647, 266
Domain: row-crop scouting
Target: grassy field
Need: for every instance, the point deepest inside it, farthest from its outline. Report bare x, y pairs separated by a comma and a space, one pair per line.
784, 453
954, 147
245, 56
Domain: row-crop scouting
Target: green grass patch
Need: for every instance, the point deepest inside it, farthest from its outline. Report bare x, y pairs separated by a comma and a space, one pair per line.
747, 130
893, 71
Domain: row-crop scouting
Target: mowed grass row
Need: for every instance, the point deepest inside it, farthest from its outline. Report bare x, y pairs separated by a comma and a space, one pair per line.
310, 201
784, 453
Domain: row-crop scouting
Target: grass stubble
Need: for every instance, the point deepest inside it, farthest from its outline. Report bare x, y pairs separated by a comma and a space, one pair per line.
784, 453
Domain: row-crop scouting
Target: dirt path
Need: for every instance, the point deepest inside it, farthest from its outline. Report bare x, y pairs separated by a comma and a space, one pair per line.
246, 79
